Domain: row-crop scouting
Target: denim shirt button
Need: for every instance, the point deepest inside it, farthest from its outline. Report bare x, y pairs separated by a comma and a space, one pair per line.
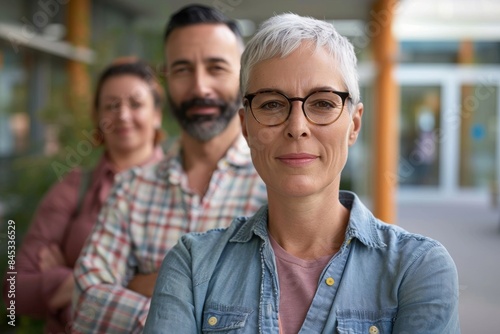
330, 281
212, 321
373, 330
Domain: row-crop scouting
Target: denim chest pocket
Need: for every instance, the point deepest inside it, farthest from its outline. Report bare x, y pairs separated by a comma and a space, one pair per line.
226, 319
369, 322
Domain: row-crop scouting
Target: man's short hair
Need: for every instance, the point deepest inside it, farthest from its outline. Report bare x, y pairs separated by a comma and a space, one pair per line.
198, 14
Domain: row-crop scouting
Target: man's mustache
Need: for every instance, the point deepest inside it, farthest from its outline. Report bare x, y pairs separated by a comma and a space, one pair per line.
202, 102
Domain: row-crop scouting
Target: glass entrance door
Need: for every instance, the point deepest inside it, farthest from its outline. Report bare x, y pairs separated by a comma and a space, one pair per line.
478, 135
419, 147
449, 129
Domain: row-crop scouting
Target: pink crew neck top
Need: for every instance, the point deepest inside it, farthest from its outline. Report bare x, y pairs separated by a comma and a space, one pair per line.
298, 281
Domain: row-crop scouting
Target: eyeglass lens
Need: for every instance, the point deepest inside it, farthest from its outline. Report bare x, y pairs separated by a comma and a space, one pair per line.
273, 108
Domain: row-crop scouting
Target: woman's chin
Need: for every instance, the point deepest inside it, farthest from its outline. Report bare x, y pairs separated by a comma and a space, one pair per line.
298, 187
124, 146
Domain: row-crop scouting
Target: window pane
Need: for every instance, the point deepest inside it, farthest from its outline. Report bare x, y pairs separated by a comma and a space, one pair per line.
419, 146
478, 135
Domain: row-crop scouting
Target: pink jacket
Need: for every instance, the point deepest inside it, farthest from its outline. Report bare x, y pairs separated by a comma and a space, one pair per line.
55, 222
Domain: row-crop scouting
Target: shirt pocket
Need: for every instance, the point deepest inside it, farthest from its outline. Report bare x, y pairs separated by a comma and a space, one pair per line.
224, 318
362, 321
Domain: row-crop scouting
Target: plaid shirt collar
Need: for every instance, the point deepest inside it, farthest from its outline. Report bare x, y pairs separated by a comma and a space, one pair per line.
237, 156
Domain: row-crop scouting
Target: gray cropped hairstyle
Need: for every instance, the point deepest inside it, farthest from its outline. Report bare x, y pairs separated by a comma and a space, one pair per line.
280, 35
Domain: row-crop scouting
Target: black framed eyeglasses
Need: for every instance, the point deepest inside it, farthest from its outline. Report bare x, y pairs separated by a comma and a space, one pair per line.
272, 108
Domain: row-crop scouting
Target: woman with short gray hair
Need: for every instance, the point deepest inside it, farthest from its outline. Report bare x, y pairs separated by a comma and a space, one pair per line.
315, 259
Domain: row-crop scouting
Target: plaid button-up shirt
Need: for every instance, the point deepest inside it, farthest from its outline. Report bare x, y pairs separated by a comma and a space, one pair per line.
147, 212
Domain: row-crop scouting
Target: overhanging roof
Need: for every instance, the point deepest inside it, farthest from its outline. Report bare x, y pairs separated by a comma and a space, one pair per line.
18, 36
259, 10
256, 11
448, 20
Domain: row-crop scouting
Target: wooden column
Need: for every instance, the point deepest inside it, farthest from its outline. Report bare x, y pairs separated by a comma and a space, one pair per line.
386, 139
78, 34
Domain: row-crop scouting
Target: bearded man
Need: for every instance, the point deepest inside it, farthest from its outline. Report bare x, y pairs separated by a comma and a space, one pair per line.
206, 180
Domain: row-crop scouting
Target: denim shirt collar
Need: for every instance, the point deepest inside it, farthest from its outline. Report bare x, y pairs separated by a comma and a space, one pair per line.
362, 224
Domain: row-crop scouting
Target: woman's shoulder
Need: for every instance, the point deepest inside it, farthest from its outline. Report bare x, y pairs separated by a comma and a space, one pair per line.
207, 239
374, 231
204, 251
409, 246
62, 196
391, 231
69, 182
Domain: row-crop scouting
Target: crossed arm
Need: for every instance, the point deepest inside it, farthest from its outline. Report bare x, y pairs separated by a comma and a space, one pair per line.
106, 298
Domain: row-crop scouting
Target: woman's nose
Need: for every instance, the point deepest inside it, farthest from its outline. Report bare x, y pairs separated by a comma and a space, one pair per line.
297, 125
124, 111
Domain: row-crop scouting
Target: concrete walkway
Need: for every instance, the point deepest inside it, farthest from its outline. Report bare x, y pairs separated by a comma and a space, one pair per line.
471, 233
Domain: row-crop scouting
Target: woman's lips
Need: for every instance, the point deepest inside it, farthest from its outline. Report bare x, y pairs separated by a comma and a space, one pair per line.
297, 159
123, 131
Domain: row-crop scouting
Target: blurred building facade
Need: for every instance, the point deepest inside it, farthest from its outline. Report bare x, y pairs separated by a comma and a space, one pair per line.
449, 78
448, 71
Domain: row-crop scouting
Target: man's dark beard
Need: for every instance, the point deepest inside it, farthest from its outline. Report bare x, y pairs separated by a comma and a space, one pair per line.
205, 127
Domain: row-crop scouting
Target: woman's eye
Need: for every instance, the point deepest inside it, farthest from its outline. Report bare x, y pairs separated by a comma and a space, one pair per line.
324, 104
272, 105
111, 106
135, 104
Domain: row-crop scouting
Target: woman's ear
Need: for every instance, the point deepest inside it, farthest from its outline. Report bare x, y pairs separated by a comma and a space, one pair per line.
241, 113
355, 123
158, 117
95, 117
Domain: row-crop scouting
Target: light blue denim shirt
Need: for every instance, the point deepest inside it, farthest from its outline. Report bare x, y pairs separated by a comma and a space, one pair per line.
383, 280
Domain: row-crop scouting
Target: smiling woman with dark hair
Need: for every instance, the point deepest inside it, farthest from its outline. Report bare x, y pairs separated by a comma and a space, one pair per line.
127, 114
315, 259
